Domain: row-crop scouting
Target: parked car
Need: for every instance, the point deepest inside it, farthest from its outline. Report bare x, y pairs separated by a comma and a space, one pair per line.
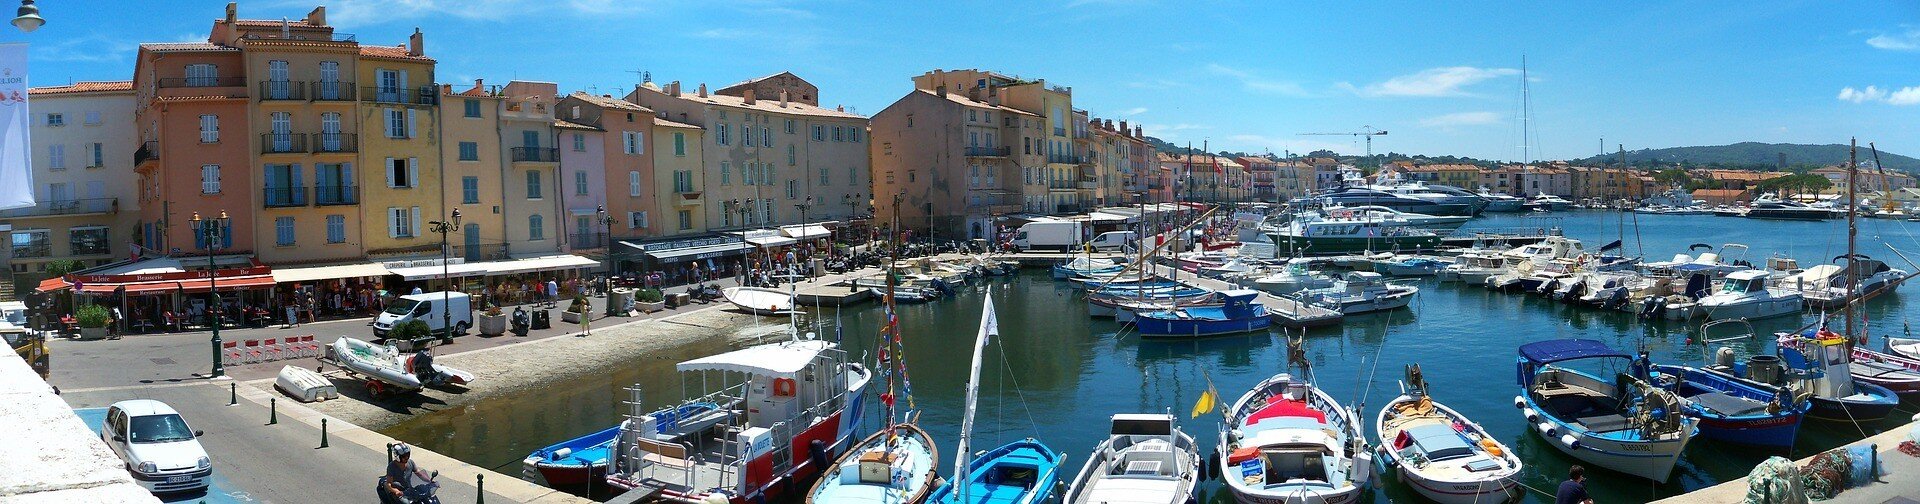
161, 451
1113, 240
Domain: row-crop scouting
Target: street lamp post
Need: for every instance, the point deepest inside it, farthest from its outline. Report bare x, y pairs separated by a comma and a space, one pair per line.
28, 17
211, 230
446, 271
803, 206
606, 224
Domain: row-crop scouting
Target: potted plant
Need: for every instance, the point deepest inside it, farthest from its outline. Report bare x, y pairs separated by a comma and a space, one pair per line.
576, 310
492, 322
409, 336
92, 320
651, 300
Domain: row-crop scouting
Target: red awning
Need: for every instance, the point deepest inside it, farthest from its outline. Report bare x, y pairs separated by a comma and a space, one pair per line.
54, 284
229, 283
154, 287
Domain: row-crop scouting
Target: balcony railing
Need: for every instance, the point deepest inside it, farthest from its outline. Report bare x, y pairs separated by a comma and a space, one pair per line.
536, 154
335, 142
1066, 159
1002, 151
379, 94
148, 151
1089, 184
1061, 184
326, 195
38, 248
64, 207
286, 196
332, 91
588, 240
283, 143
97, 245
302, 36
193, 82
282, 90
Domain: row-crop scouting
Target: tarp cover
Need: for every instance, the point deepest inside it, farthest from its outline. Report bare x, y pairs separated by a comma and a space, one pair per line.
1550, 351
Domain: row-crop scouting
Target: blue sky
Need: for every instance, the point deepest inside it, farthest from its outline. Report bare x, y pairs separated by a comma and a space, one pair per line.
1441, 78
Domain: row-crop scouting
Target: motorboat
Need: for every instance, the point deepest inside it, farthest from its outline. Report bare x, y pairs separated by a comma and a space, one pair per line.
1825, 367
1894, 369
1502, 203
572, 464
1418, 220
1441, 453
1233, 267
895, 465
1612, 289
760, 300
1833, 285
1904, 347
1473, 267
798, 401
1779, 209
1145, 459
1548, 202
1239, 312
387, 369
1448, 200
1414, 266
1357, 196
1624, 424
1288, 441
1520, 262
1742, 294
1361, 292
906, 294
1294, 277
1085, 266
1729, 211
1113, 279
1344, 233
1731, 408
1021, 472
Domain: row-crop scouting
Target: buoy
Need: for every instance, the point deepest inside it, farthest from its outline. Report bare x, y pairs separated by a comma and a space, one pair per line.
1519, 402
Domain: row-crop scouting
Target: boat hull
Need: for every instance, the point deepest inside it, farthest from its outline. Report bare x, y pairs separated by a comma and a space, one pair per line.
572, 463
1652, 460
1294, 245
1153, 327
1445, 492
1875, 407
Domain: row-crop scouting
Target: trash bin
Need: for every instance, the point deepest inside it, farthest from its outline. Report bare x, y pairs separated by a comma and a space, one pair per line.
541, 320
619, 301
677, 299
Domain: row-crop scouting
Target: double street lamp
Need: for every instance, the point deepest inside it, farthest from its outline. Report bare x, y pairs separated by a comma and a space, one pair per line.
446, 271
606, 225
211, 230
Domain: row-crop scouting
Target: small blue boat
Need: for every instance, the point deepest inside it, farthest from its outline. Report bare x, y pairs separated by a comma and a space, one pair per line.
1239, 312
1020, 472
1733, 409
572, 463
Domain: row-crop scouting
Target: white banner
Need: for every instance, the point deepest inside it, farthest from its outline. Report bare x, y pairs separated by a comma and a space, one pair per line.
16, 151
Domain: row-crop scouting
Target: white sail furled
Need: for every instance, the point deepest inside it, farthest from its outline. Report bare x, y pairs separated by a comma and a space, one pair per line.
989, 326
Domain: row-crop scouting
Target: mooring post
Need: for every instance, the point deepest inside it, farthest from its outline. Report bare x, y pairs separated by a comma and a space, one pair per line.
233, 394
480, 488
323, 433
273, 410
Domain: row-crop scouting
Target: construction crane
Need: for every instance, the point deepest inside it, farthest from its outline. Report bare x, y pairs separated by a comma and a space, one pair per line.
1369, 133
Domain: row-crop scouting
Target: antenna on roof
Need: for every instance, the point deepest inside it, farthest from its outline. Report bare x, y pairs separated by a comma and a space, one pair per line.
645, 77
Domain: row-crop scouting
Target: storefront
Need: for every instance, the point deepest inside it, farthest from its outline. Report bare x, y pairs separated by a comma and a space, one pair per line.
687, 260
159, 295
504, 282
339, 291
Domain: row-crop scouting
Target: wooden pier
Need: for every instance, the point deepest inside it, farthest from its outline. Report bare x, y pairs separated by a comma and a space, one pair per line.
1286, 311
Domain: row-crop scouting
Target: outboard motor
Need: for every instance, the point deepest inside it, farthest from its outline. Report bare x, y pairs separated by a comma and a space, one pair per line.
1723, 358
1653, 307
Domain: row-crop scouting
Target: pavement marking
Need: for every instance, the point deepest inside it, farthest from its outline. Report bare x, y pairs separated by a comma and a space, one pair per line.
221, 491
195, 382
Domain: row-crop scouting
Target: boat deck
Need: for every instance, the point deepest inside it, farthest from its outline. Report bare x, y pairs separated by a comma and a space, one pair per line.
1289, 312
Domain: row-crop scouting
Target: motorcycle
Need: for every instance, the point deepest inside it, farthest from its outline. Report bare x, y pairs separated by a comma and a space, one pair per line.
520, 322
424, 492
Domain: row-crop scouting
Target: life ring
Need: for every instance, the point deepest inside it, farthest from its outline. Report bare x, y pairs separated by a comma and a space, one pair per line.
783, 387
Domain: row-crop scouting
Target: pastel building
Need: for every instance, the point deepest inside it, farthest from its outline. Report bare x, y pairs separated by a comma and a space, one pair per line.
82, 166
679, 181
194, 155
532, 193
623, 181
947, 158
473, 162
399, 150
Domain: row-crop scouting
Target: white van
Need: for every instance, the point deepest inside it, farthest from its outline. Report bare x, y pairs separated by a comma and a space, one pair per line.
427, 307
1113, 240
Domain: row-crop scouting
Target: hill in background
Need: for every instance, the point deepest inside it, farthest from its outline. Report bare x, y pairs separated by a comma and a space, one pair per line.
1755, 156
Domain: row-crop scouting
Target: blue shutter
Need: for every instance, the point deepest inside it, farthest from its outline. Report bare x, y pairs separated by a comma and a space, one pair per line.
226, 236
300, 192
199, 238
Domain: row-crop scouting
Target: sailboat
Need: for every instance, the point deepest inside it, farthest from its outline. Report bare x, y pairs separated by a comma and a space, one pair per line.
1020, 472
895, 465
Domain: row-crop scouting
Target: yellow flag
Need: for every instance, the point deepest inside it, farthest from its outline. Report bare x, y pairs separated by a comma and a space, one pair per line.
1205, 404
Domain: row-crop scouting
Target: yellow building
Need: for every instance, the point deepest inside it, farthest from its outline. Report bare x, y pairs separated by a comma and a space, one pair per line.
470, 155
679, 178
401, 183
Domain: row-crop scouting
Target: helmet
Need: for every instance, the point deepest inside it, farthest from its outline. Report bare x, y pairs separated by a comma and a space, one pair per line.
401, 450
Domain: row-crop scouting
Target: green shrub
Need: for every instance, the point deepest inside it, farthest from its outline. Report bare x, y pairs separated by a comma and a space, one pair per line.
650, 295
91, 316
413, 329
579, 304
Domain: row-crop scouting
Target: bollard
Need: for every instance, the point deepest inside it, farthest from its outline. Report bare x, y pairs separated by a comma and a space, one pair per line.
323, 433
233, 394
273, 410
480, 488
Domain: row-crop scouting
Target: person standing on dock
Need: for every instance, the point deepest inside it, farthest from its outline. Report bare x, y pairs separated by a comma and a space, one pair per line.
1574, 489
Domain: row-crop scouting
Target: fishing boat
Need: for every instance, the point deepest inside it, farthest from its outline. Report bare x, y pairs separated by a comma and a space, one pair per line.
1733, 409
1442, 454
1021, 472
760, 300
1110, 303
1288, 441
1519, 262
1904, 347
1623, 424
797, 401
1826, 368
1361, 292
892, 466
1296, 276
386, 369
1084, 266
1146, 459
1473, 267
574, 463
1239, 312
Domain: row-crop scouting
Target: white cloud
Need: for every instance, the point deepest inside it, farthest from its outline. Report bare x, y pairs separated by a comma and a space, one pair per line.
1461, 119
1257, 83
1134, 111
1862, 95
1434, 82
1905, 41
723, 34
1905, 96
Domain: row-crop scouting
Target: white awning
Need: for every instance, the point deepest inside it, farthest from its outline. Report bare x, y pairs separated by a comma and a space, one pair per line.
436, 271
310, 274
806, 232
701, 252
1107, 217
777, 359
546, 263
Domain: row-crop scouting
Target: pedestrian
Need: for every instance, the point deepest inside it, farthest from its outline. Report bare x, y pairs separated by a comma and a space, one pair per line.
416, 290
1574, 489
586, 319
553, 293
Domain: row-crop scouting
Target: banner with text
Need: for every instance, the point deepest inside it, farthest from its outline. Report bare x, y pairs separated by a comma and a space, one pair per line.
16, 151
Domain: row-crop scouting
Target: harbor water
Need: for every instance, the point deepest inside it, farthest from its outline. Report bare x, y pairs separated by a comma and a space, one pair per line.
1057, 374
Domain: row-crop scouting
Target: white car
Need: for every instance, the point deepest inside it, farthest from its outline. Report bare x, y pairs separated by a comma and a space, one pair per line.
161, 451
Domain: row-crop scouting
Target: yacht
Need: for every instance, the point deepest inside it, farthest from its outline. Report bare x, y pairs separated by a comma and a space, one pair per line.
1413, 219
1742, 294
1348, 233
1362, 292
1468, 204
1777, 209
1352, 196
1548, 202
1502, 203
1832, 285
1294, 278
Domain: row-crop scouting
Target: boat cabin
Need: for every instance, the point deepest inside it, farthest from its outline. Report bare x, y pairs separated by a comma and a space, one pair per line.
1744, 282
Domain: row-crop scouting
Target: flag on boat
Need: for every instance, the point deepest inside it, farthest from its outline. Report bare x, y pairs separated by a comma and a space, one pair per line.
1208, 400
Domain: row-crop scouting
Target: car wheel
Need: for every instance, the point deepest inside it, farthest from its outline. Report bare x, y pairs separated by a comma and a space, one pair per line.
461, 328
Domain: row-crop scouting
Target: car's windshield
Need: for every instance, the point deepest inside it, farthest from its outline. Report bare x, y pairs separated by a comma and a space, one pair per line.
158, 429
401, 307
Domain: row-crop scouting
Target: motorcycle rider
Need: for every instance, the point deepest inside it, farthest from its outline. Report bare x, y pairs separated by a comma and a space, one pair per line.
401, 475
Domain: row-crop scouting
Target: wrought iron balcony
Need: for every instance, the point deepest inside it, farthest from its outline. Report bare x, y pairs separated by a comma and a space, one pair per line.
148, 151
328, 195
332, 91
283, 143
326, 143
425, 96
286, 196
271, 90
51, 208
1002, 151
536, 154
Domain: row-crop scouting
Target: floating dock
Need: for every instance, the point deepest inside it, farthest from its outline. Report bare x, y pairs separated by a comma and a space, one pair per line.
1289, 312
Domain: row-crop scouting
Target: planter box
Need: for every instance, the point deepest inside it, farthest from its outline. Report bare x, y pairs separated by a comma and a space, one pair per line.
93, 333
570, 317
493, 325
652, 307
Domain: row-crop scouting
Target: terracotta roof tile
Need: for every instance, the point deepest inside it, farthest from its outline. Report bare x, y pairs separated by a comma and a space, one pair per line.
563, 124
607, 102
83, 87
768, 105
391, 52
301, 23
185, 47
963, 100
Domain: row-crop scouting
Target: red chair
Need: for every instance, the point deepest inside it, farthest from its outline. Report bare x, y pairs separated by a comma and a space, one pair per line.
230, 350
253, 353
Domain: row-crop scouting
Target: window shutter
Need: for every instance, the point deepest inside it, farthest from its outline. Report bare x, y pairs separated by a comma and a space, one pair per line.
199, 238
415, 230
393, 222
413, 172
346, 177
226, 236
295, 170
389, 171
410, 124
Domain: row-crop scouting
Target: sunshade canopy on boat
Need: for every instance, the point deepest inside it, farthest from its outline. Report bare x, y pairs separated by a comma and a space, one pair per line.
778, 360
1551, 351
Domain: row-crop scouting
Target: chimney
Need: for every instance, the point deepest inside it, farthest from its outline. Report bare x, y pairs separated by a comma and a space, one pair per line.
746, 96
839, 108
446, 89
478, 84
703, 90
1137, 133
673, 89
233, 12
783, 98
318, 17
416, 44
1123, 127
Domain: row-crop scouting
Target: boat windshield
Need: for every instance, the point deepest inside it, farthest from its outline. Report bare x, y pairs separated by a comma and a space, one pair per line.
158, 429
401, 307
1737, 286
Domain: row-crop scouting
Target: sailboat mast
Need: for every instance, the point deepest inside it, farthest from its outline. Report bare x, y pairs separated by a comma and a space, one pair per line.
988, 327
1853, 266
1526, 112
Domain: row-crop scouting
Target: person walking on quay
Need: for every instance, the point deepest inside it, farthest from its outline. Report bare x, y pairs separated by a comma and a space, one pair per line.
553, 293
